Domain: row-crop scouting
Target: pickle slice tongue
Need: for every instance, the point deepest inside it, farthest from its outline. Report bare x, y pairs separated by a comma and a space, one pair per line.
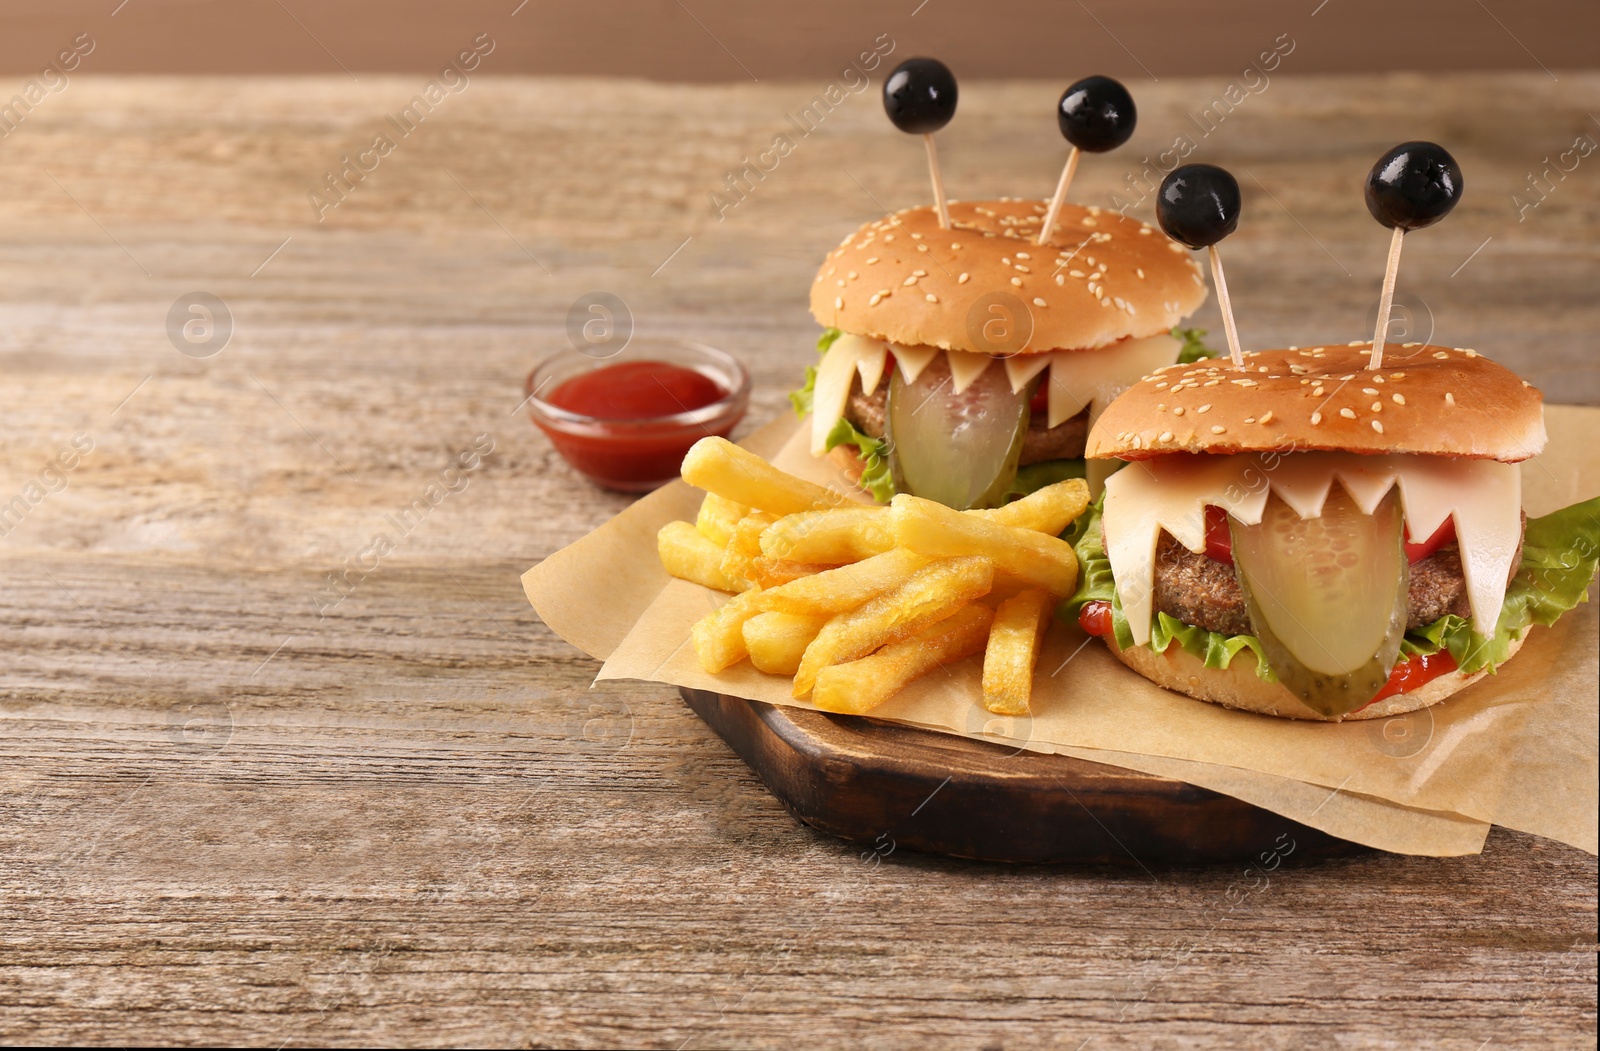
1326, 596
958, 449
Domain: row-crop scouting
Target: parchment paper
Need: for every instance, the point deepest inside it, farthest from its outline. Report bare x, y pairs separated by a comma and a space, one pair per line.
1517, 749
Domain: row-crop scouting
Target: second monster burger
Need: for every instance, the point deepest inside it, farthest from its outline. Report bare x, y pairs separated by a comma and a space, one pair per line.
963, 365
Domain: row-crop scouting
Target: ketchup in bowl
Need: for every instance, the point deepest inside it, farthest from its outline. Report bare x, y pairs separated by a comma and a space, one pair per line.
627, 420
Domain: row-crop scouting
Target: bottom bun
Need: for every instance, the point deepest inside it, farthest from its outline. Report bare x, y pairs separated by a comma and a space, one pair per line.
1237, 686
849, 461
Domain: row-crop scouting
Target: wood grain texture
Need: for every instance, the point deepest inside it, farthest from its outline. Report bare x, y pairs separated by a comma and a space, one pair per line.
234, 811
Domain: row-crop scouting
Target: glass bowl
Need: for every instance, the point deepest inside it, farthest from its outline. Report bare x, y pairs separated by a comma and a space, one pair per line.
639, 453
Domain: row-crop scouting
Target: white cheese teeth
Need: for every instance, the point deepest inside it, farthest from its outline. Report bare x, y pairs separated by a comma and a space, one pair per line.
1171, 492
1078, 378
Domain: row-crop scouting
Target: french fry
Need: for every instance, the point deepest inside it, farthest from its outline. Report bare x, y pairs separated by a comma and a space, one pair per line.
844, 588
1012, 652
931, 594
719, 466
936, 531
718, 515
844, 534
1048, 510
743, 547
777, 641
774, 572
859, 686
719, 636
686, 553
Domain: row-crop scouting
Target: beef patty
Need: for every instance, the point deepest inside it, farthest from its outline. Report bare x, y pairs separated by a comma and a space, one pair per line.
1201, 591
1041, 443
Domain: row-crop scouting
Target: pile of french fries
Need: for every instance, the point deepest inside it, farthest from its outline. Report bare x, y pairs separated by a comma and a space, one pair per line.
857, 601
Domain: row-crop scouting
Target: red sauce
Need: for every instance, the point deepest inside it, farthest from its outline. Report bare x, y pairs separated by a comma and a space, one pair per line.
1219, 541
636, 390
1095, 618
1415, 673
622, 447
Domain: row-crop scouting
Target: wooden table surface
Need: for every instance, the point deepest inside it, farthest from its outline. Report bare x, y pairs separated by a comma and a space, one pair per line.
237, 808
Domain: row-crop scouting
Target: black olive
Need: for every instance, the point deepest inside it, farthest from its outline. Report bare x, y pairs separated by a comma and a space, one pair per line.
920, 95
1096, 114
1198, 205
1413, 185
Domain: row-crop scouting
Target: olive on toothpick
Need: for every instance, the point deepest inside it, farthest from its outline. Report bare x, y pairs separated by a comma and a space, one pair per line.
1197, 206
920, 98
1095, 115
1412, 186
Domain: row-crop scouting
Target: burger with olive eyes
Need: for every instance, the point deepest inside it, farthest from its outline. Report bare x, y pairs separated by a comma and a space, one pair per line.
963, 365
1309, 537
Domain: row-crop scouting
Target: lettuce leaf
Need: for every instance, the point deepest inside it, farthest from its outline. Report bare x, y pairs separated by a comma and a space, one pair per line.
1560, 553
875, 477
1194, 346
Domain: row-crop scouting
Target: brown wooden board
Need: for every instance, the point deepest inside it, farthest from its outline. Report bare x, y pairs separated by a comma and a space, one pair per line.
899, 787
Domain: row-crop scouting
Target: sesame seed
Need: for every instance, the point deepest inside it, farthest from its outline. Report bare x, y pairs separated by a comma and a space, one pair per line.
1140, 272
1441, 355
930, 297
1039, 302
1178, 411
838, 303
963, 279
1060, 280
1163, 383
852, 275
1074, 273
1144, 230
877, 297
1316, 418
1006, 260
1023, 255
1023, 269
1218, 430
1399, 399
1266, 417
910, 280
840, 282
1204, 408
1397, 375
872, 260
1348, 413
1449, 399
1377, 406
1120, 302
1377, 426
1369, 390
1470, 353
1017, 281
1249, 419
888, 237
1210, 383
1166, 436
1089, 259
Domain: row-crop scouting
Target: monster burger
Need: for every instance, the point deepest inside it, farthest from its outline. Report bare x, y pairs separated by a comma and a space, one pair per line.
1310, 537
967, 347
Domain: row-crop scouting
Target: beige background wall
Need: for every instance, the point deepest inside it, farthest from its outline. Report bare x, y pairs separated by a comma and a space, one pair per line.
730, 40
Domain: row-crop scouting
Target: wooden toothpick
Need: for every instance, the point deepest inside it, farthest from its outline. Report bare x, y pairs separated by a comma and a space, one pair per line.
1227, 309
1386, 301
1067, 173
938, 182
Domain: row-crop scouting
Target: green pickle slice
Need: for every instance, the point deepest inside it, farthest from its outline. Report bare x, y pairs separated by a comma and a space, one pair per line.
958, 449
1327, 597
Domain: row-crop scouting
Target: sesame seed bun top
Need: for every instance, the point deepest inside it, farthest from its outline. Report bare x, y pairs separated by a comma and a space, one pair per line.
1425, 399
1101, 279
